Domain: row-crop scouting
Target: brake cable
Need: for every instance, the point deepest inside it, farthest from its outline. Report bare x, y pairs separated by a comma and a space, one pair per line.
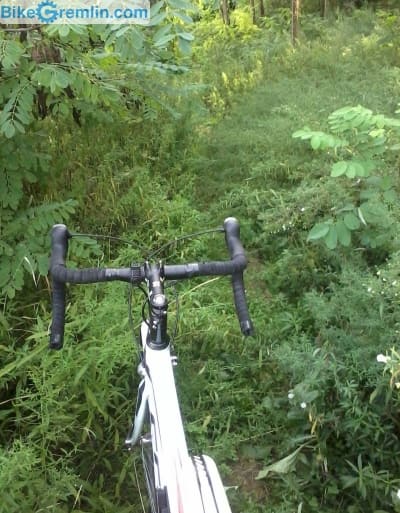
150, 256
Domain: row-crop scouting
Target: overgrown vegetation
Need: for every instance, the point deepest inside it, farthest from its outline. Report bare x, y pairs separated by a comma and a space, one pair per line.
300, 418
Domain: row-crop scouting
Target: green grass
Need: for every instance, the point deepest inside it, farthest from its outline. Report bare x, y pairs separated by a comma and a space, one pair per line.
300, 87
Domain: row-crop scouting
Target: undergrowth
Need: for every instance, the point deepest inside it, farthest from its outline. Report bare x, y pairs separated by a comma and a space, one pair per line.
308, 385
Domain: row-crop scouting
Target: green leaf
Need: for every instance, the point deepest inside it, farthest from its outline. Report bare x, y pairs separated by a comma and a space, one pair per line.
348, 481
63, 30
10, 53
80, 373
368, 165
42, 77
18, 126
310, 395
374, 394
184, 46
92, 400
183, 17
63, 109
180, 4
158, 18
350, 171
391, 122
355, 168
371, 212
315, 142
380, 121
343, 233
363, 118
282, 466
339, 168
367, 194
349, 207
162, 32
378, 132
122, 31
23, 116
21, 362
43, 264
390, 196
155, 8
386, 183
331, 237
351, 221
5, 271
59, 80
318, 231
349, 113
303, 134
163, 41
8, 129
186, 35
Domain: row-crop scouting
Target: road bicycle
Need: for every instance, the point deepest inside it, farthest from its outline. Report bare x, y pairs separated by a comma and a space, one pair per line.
176, 482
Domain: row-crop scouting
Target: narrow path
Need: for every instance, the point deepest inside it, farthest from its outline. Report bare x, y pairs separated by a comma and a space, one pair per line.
253, 142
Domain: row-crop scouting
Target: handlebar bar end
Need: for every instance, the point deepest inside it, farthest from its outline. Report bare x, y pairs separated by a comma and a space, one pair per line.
56, 342
247, 328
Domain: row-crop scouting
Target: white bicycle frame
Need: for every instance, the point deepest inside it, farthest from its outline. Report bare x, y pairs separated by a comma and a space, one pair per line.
183, 484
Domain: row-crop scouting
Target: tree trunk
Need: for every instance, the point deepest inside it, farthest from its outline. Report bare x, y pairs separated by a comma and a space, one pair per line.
295, 20
253, 10
224, 8
262, 9
324, 8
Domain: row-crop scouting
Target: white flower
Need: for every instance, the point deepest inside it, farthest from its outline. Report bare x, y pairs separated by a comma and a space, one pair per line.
303, 405
290, 395
369, 289
381, 358
394, 283
398, 494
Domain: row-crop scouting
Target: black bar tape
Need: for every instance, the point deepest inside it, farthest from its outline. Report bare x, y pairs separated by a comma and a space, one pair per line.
232, 238
60, 275
181, 271
95, 275
241, 304
216, 268
65, 275
59, 249
236, 251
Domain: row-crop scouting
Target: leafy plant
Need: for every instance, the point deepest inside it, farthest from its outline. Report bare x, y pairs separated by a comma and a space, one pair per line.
356, 143
63, 71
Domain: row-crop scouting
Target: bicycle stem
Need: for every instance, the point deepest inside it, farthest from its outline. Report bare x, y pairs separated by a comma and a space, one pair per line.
158, 337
